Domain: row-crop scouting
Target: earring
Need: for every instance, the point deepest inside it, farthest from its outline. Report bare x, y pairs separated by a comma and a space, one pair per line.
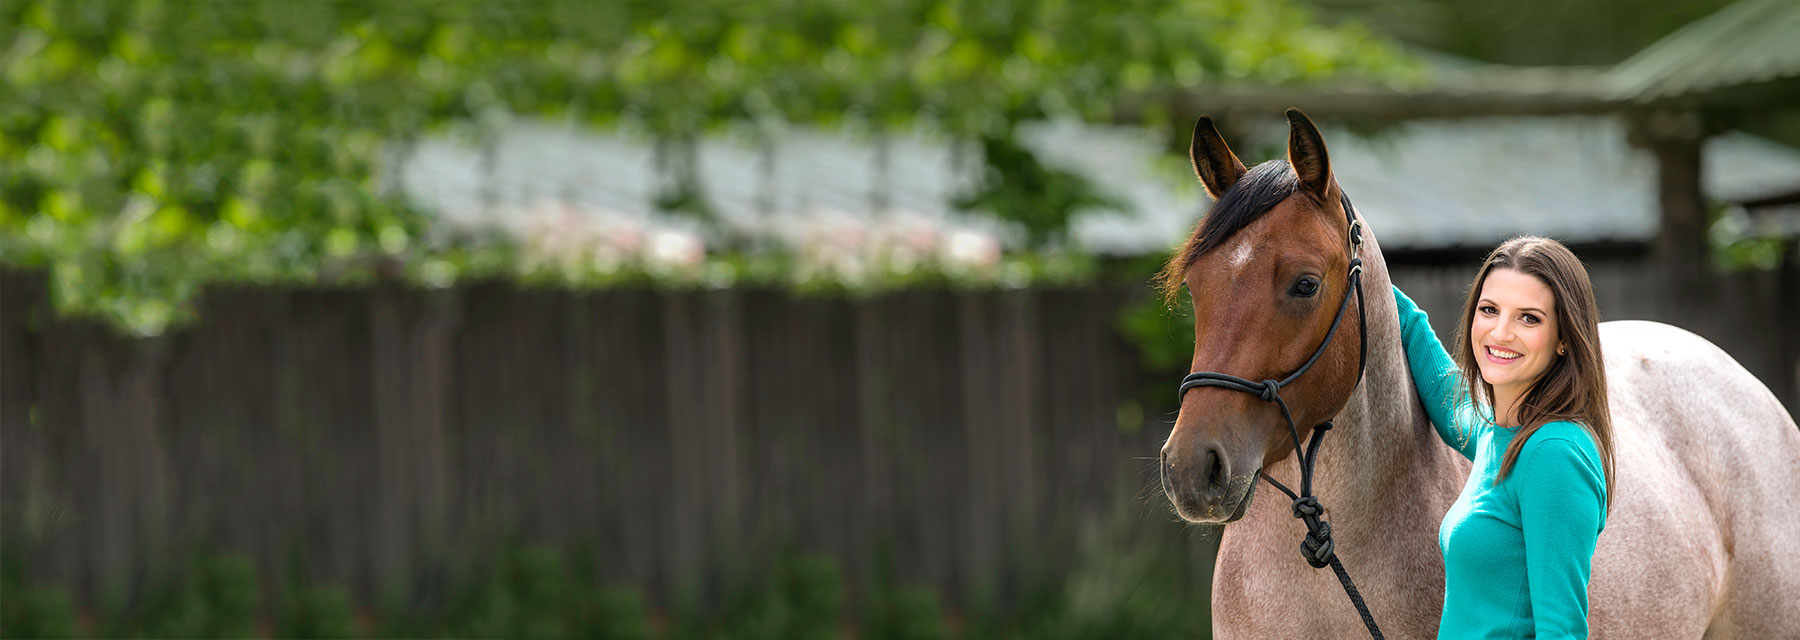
1559, 352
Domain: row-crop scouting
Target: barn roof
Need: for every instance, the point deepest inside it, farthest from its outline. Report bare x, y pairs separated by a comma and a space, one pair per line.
1423, 184
1746, 44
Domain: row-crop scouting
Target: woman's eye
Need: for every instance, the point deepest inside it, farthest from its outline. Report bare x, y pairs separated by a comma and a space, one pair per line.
1487, 310
1305, 287
1529, 319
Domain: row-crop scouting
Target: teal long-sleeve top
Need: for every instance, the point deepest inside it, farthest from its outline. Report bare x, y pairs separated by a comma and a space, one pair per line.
1517, 552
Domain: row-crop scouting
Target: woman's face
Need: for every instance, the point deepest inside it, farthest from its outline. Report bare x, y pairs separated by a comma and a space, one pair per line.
1514, 333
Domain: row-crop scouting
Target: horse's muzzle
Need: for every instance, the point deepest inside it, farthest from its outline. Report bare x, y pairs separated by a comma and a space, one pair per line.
1202, 487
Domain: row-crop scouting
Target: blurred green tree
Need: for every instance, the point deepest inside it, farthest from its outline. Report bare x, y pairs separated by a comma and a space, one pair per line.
149, 147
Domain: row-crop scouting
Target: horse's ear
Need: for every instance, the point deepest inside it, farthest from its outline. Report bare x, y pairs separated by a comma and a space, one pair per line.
1215, 164
1306, 153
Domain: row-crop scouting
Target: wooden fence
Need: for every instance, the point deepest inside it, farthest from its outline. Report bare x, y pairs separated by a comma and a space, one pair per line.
389, 435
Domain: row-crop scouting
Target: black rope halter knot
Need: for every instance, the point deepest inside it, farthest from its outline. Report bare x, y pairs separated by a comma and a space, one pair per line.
1271, 390
1318, 548
1307, 507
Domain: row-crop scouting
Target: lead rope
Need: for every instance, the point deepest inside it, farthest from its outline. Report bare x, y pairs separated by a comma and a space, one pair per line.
1317, 547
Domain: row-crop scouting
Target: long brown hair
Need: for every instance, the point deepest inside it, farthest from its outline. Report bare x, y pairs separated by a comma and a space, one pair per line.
1573, 388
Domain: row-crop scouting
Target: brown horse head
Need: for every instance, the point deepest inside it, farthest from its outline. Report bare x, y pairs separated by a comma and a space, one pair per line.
1266, 270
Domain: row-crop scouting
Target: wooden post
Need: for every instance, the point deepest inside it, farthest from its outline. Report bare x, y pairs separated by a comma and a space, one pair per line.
1675, 137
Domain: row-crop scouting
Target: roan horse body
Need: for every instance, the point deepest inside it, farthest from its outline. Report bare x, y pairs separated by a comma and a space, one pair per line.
1700, 541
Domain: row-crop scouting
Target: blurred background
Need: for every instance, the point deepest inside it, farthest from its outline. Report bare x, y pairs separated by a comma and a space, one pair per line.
771, 319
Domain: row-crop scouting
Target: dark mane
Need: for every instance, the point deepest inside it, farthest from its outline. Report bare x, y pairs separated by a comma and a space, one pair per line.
1261, 188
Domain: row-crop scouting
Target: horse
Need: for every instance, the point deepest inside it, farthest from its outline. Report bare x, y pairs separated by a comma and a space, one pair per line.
1698, 542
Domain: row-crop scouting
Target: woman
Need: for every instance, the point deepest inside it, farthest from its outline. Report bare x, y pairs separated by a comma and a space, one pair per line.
1525, 400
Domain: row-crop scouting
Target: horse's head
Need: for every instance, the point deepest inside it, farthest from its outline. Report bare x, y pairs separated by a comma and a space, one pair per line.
1266, 270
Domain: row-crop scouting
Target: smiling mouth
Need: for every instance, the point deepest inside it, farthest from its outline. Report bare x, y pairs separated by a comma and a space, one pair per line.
1502, 356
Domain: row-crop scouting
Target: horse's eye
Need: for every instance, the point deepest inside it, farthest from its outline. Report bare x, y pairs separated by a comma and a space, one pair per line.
1305, 287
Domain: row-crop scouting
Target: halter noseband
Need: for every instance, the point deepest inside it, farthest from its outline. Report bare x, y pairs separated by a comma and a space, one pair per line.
1317, 547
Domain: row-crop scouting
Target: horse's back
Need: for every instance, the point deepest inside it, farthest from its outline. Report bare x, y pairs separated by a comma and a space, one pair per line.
1707, 463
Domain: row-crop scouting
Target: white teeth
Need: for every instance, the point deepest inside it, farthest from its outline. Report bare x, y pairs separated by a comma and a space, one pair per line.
1502, 353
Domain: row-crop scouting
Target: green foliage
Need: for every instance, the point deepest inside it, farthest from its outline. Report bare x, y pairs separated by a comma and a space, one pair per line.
510, 603
1133, 575
721, 270
612, 613
1019, 187
316, 611
1137, 577
215, 595
1736, 242
800, 597
38, 612
909, 612
533, 592
148, 148
1757, 253
892, 610
1163, 335
228, 582
32, 611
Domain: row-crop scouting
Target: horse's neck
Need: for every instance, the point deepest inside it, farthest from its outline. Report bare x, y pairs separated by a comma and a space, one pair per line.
1385, 480
1381, 470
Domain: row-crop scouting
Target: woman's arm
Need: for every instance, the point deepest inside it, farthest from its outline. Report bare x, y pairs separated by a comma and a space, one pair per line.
1435, 374
1562, 507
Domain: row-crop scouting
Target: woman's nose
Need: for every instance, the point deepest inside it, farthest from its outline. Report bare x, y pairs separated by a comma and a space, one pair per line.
1500, 332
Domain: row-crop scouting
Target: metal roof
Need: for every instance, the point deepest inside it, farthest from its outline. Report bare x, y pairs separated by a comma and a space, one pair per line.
1434, 184
1732, 55
1750, 42
1423, 184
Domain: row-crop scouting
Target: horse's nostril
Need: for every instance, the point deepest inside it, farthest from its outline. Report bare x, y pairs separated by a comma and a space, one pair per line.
1214, 466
